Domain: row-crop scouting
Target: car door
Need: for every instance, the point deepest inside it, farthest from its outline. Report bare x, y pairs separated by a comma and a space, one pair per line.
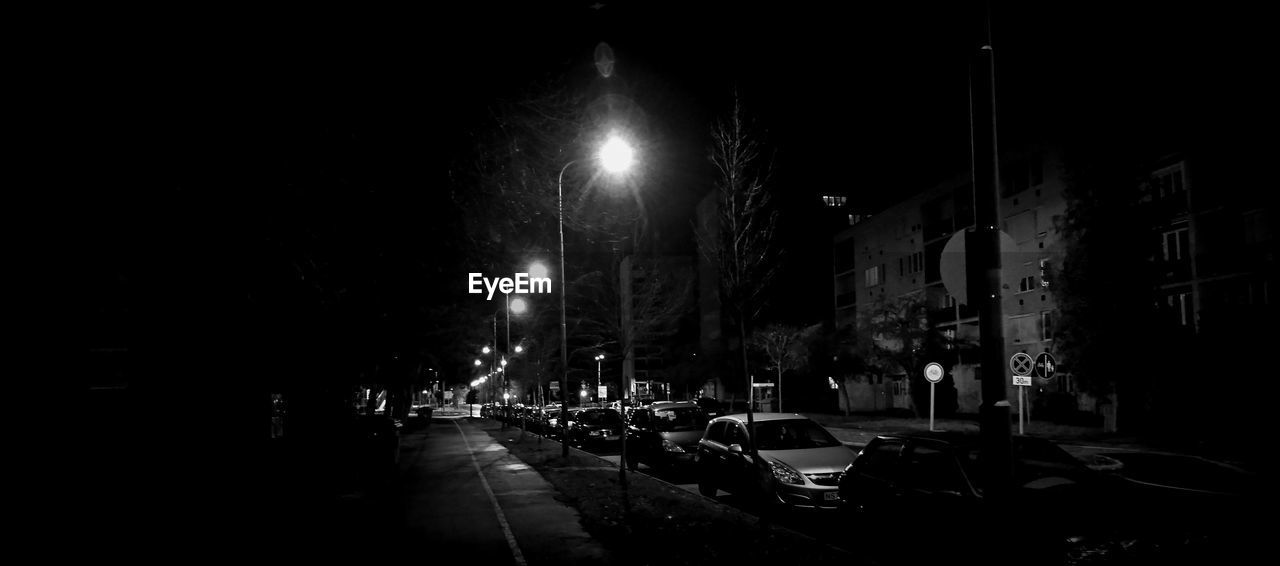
931, 483
736, 466
711, 448
870, 484
640, 433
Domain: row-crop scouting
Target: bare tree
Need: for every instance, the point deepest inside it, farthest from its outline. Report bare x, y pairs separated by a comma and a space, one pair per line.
742, 246
786, 347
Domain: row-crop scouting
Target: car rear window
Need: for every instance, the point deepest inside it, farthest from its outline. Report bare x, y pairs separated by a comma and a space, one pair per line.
679, 419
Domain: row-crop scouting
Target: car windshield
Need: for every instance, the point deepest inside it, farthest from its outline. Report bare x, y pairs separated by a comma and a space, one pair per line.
792, 435
678, 419
607, 417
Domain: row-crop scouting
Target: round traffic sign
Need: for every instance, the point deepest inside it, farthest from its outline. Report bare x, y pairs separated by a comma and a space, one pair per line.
933, 372
1021, 364
1046, 366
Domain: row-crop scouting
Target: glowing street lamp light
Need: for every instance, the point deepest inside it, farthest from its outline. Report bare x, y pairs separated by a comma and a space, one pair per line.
478, 362
519, 349
616, 155
484, 350
519, 305
537, 270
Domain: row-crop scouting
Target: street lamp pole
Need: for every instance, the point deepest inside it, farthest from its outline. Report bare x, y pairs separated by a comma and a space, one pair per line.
598, 361
564, 327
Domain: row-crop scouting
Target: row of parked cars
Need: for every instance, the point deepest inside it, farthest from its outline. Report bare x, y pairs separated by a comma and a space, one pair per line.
895, 479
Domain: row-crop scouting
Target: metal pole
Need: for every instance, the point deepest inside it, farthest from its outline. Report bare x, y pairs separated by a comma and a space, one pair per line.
931, 391
983, 273
564, 332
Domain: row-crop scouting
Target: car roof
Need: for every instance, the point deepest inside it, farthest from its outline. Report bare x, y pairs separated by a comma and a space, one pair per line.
762, 417
957, 439
674, 404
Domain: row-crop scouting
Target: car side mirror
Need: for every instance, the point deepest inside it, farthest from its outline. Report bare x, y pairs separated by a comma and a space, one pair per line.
735, 449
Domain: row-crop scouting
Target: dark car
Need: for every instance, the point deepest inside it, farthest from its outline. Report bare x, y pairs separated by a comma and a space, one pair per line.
710, 406
665, 435
594, 427
552, 427
913, 476
799, 463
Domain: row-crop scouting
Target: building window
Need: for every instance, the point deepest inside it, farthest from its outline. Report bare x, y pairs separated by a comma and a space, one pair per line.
833, 201
872, 276
1046, 325
1176, 245
1027, 283
1257, 228
1024, 329
1169, 182
1180, 307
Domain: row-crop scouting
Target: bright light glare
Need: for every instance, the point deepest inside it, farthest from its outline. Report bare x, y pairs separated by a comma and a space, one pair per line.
582, 393
519, 349
518, 305
537, 270
616, 155
504, 363
484, 350
506, 395
477, 363
475, 383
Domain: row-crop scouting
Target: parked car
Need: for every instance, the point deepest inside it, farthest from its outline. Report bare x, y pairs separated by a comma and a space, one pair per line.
910, 476
552, 427
710, 406
665, 434
593, 427
799, 463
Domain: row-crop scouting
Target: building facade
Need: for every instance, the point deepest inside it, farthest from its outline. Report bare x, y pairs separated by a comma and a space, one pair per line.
1213, 250
901, 254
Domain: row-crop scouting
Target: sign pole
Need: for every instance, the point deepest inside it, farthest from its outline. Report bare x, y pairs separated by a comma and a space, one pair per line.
933, 373
931, 387
1021, 410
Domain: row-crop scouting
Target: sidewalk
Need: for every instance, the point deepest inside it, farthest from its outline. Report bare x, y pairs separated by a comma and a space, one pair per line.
465, 492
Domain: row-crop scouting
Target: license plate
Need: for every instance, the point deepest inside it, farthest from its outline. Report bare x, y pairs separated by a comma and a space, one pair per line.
831, 496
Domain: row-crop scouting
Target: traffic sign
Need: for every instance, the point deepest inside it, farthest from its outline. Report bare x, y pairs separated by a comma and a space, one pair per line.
933, 372
1046, 366
1023, 380
1021, 364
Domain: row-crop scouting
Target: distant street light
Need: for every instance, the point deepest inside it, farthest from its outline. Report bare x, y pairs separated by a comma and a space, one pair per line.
599, 359
478, 362
616, 155
519, 305
484, 350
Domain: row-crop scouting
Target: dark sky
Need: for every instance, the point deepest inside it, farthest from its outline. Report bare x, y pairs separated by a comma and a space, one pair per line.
867, 99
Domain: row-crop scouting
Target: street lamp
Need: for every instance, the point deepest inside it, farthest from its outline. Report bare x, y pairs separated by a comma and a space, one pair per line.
616, 156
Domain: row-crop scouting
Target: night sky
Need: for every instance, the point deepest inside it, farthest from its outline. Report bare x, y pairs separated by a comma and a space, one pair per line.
199, 135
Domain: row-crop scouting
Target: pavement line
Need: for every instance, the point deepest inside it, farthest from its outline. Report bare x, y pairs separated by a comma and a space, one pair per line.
497, 509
